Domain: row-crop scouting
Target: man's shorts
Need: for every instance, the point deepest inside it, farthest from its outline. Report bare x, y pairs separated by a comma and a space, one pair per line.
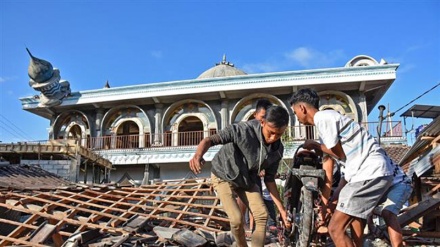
358, 199
396, 196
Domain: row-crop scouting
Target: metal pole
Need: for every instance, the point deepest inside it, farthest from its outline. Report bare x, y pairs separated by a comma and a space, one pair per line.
379, 127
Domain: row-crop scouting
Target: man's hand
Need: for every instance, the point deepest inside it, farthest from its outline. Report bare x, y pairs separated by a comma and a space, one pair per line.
286, 221
196, 163
312, 145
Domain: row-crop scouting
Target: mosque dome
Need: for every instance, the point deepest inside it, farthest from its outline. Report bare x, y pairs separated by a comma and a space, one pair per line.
222, 69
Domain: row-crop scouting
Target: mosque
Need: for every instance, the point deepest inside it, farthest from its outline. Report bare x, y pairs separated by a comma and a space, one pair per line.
150, 131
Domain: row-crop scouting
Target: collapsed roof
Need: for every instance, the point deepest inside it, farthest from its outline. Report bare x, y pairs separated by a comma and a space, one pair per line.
79, 214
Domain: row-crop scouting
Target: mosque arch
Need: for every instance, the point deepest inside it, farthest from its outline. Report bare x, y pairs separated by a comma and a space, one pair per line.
245, 107
329, 99
188, 119
195, 124
126, 126
76, 131
72, 125
129, 131
338, 101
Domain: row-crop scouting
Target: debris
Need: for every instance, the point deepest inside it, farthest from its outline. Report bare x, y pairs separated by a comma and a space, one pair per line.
224, 239
112, 216
189, 239
164, 233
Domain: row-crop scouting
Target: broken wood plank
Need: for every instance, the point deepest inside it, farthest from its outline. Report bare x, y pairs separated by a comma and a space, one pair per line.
42, 233
421, 234
418, 210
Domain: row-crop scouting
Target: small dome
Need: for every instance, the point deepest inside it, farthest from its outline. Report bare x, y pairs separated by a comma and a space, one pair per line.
361, 60
222, 69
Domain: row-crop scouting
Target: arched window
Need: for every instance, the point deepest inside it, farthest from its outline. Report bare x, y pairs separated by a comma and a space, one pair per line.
72, 125
127, 135
69, 124
245, 110
190, 131
186, 123
126, 127
74, 133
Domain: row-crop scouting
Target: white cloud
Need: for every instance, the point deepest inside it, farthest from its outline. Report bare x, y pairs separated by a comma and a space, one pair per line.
156, 54
404, 68
299, 58
301, 55
311, 58
4, 79
405, 58
416, 47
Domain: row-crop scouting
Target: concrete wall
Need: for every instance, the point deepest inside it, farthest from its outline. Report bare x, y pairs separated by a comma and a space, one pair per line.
58, 167
172, 171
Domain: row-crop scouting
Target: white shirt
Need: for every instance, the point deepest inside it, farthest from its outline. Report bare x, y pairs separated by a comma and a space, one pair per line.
365, 159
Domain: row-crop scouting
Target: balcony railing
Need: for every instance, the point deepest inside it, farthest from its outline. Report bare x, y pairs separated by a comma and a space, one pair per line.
192, 138
388, 128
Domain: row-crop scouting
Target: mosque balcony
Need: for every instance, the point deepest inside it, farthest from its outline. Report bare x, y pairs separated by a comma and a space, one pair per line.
391, 132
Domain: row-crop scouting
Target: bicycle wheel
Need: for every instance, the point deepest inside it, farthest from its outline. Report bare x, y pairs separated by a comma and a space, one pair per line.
306, 215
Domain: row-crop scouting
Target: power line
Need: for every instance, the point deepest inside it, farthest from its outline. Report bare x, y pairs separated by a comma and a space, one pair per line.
15, 126
17, 134
418, 97
17, 130
18, 137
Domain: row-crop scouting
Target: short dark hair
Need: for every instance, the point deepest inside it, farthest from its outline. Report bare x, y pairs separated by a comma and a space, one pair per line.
262, 104
277, 115
305, 95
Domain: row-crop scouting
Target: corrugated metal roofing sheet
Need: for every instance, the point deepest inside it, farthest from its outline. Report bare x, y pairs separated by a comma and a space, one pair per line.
422, 111
432, 130
426, 162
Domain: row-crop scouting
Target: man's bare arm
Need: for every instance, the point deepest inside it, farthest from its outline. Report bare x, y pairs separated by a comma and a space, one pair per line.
273, 190
197, 161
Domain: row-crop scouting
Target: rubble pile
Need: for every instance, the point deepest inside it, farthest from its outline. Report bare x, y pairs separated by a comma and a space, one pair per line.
171, 213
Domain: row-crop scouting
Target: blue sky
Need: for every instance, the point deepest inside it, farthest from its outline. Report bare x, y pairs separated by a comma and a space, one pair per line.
135, 42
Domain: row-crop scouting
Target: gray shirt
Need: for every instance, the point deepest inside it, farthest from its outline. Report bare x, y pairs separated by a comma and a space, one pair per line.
244, 154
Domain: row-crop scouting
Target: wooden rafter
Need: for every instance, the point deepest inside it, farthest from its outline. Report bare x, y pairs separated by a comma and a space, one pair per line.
56, 215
